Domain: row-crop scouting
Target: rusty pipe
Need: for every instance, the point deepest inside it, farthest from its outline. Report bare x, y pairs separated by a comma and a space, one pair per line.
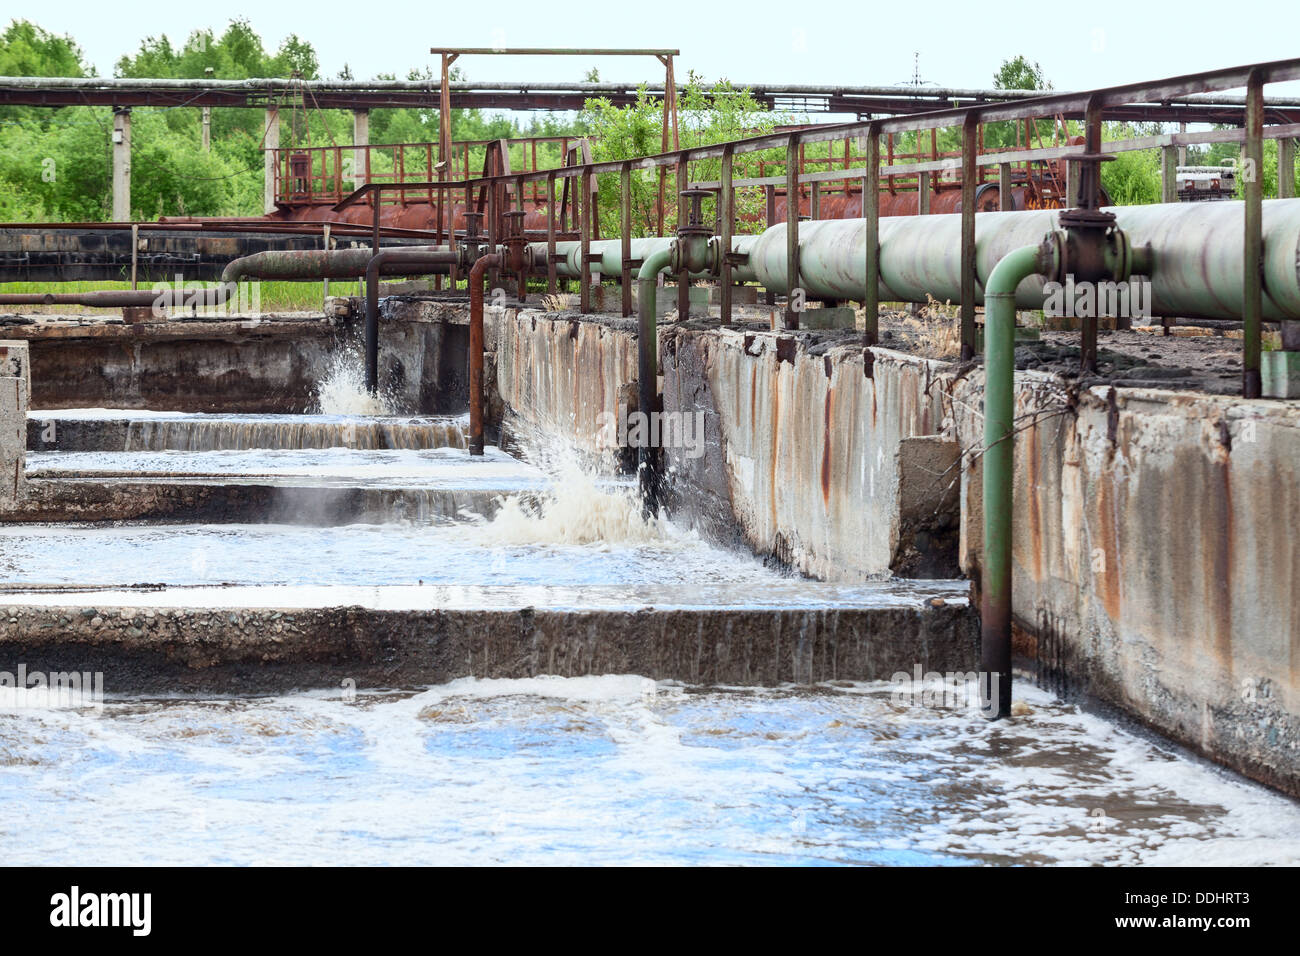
477, 275
308, 264
121, 298
394, 262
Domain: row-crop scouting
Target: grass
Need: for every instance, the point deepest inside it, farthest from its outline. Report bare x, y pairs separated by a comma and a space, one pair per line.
276, 296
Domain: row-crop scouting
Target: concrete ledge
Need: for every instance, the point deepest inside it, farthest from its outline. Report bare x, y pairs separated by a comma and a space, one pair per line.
52, 499
146, 650
13, 420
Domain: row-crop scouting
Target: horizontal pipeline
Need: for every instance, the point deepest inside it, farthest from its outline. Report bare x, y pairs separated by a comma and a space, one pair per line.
1198, 247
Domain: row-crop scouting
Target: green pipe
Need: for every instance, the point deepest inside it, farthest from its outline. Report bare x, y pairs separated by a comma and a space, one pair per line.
999, 468
647, 362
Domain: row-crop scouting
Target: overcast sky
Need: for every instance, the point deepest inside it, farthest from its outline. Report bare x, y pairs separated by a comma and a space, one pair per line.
1081, 46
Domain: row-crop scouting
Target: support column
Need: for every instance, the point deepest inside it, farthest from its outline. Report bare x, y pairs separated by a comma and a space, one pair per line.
207, 129
871, 215
1169, 174
1071, 184
792, 305
1286, 168
270, 145
360, 137
923, 194
121, 164
1006, 201
1252, 308
969, 183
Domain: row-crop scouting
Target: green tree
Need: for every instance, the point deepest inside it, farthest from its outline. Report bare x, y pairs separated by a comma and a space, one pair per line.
706, 115
1015, 73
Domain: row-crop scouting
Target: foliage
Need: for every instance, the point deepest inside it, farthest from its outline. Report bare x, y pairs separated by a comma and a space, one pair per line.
707, 114
56, 163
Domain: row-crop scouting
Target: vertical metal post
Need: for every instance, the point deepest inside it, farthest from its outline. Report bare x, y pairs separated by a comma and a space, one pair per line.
792, 290
1169, 174
1071, 184
625, 211
683, 218
871, 213
726, 203
769, 199
815, 203
584, 294
135, 251
325, 290
969, 176
1252, 311
1087, 187
923, 194
1006, 201
551, 281
1286, 168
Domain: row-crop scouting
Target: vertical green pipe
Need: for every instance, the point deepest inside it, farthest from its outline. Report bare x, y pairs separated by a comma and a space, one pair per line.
999, 467
647, 370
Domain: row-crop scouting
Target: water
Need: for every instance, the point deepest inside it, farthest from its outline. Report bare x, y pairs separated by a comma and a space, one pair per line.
370, 468
342, 391
97, 429
613, 770
606, 769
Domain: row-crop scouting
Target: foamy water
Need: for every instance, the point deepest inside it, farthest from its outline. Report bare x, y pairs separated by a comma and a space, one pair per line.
342, 388
576, 508
613, 770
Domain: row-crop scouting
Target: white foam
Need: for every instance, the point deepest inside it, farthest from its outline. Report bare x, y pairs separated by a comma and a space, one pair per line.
342, 389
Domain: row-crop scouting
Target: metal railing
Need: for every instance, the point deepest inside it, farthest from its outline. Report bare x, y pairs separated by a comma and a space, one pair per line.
324, 175
500, 193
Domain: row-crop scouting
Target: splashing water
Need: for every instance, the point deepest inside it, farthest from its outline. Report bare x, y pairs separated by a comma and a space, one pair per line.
580, 506
342, 389
577, 510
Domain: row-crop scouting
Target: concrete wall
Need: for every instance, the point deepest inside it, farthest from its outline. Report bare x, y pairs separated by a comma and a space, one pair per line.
1155, 559
13, 420
560, 371
1156, 564
803, 449
246, 365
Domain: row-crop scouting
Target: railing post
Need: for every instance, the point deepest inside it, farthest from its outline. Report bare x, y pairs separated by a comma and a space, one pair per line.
1253, 307
551, 283
625, 215
1286, 168
1006, 201
726, 203
792, 233
683, 277
769, 207
969, 176
871, 214
1169, 174
584, 227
